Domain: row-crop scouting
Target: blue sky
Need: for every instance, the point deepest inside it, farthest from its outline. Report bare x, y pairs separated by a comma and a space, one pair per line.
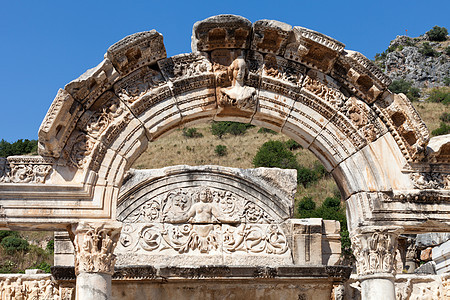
46, 44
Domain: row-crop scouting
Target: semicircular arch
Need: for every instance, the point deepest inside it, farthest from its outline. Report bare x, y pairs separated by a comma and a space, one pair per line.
294, 80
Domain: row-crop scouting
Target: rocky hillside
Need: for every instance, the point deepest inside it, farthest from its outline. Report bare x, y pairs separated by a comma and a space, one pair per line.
424, 61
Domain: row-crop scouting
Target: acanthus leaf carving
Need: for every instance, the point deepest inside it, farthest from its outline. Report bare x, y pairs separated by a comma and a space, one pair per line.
375, 251
93, 124
94, 246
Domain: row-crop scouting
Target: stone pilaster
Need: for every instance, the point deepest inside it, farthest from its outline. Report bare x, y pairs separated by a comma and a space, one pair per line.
94, 245
375, 252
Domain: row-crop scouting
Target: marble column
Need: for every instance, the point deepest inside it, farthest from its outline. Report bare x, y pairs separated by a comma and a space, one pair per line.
94, 245
375, 252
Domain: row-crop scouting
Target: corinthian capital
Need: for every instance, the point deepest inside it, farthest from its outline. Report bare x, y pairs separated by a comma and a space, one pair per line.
94, 245
375, 250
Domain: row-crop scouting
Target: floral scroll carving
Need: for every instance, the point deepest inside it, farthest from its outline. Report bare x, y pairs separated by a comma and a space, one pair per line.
375, 251
202, 220
25, 169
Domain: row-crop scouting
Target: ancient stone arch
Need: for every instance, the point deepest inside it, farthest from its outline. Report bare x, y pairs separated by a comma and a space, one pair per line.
333, 101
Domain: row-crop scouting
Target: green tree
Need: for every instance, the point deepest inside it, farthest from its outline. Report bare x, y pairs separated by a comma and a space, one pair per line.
400, 86
19, 147
273, 154
11, 244
437, 34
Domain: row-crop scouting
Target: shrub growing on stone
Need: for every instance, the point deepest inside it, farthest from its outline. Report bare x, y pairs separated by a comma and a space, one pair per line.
427, 50
447, 80
437, 34
221, 150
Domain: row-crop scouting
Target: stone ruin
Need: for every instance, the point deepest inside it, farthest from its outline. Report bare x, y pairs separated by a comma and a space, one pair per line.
211, 231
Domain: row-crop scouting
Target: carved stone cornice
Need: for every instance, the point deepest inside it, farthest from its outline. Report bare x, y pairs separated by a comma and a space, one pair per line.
375, 250
94, 245
25, 169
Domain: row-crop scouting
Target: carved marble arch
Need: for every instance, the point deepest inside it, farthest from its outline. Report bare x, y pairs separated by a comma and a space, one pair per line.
333, 101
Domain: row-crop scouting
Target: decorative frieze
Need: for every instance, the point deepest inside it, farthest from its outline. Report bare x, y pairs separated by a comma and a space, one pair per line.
431, 180
25, 169
203, 220
375, 250
29, 288
94, 246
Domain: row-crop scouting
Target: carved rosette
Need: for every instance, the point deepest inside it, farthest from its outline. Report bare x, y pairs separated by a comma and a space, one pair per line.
94, 246
375, 251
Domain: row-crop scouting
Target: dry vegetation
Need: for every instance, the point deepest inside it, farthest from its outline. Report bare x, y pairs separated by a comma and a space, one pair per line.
430, 113
175, 149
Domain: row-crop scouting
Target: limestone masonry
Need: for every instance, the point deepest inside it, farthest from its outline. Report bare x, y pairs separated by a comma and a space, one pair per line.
213, 232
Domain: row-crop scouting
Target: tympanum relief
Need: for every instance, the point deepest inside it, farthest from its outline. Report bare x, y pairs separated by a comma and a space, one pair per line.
202, 220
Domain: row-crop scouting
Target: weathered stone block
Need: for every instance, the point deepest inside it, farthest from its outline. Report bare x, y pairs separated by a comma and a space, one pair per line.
221, 32
137, 50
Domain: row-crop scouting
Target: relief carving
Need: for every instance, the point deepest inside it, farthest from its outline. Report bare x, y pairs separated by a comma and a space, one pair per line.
375, 252
362, 118
331, 95
90, 128
29, 289
184, 66
255, 239
138, 83
94, 247
283, 69
232, 91
202, 220
430, 180
231, 71
25, 169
